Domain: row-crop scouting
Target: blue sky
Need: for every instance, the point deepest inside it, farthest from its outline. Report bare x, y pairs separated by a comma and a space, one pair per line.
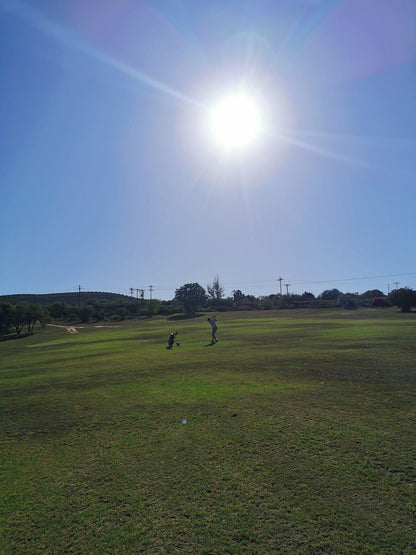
110, 178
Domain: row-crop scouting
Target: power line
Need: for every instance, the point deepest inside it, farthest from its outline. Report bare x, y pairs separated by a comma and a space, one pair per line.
355, 279
261, 284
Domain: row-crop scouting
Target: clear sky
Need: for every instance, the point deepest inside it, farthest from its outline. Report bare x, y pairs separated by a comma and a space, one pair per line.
111, 177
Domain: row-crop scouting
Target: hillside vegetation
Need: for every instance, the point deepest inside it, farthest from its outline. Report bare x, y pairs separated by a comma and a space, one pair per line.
71, 298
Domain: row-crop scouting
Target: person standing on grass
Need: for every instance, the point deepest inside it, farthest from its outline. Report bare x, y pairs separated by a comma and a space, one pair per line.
171, 340
213, 322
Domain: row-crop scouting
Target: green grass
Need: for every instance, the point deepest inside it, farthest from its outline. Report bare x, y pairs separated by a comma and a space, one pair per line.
299, 436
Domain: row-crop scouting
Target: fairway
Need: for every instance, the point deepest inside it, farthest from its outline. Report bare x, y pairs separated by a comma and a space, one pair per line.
295, 433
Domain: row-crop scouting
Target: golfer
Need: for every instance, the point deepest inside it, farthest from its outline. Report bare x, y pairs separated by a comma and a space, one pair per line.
213, 322
171, 340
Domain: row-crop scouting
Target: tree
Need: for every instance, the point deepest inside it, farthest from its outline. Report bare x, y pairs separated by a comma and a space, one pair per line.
238, 296
169, 307
347, 300
34, 313
330, 294
371, 293
71, 312
191, 296
57, 310
98, 308
19, 316
152, 307
6, 312
215, 290
85, 313
404, 298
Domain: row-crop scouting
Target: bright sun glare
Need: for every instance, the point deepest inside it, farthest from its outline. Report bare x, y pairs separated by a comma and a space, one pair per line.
235, 121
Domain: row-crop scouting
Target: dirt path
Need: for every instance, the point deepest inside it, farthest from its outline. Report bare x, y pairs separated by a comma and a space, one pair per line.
69, 329
72, 329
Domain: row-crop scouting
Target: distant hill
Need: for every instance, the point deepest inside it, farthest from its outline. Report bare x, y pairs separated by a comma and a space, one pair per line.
68, 298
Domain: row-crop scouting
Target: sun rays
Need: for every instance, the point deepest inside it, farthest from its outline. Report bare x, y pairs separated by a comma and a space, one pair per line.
236, 121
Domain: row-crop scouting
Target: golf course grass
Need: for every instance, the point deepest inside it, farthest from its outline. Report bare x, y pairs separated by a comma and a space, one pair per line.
295, 433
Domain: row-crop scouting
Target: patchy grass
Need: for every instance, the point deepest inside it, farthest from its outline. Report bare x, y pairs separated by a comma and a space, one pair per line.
299, 436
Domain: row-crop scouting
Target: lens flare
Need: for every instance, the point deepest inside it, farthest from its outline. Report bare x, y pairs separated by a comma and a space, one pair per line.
235, 121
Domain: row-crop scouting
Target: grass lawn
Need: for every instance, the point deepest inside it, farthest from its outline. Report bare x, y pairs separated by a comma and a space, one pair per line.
295, 433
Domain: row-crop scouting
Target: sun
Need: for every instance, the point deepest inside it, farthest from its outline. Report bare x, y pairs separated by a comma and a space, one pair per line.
235, 121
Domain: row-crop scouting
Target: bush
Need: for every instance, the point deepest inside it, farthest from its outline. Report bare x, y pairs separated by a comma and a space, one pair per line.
347, 301
86, 313
404, 298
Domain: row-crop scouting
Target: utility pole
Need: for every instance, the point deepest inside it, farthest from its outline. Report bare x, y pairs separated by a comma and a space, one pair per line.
131, 291
287, 285
79, 297
280, 279
388, 288
150, 290
396, 283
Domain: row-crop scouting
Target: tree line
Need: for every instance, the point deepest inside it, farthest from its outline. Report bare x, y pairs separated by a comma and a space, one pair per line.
73, 298
190, 299
193, 297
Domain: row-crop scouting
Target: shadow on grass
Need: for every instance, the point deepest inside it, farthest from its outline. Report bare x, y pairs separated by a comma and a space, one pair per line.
10, 337
177, 317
